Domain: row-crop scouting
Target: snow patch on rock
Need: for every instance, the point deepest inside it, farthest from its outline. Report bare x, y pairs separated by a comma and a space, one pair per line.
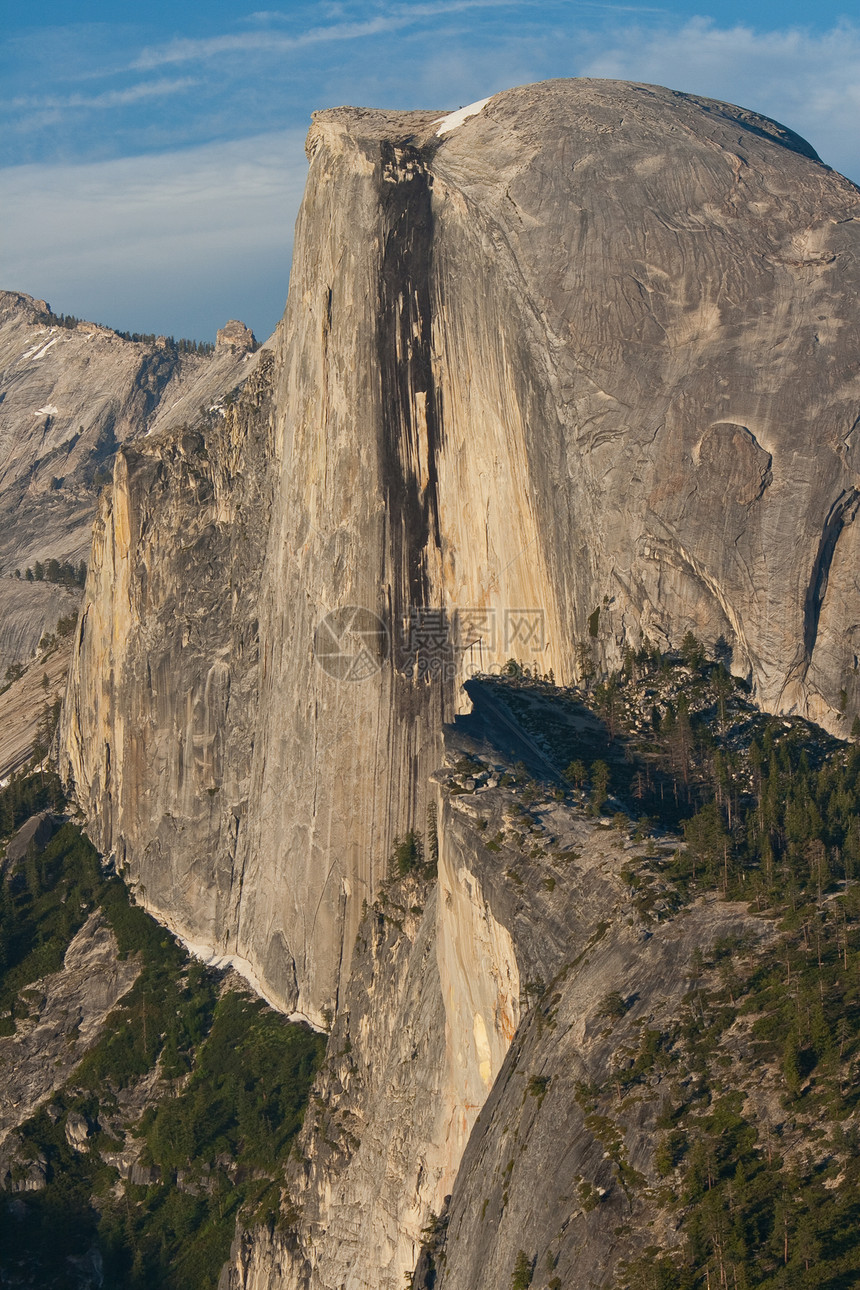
453, 119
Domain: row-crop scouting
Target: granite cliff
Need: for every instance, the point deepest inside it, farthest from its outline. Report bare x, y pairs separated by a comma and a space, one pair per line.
574, 368
563, 375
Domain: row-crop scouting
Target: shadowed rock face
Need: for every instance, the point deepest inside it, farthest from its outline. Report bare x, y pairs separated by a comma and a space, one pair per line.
594, 349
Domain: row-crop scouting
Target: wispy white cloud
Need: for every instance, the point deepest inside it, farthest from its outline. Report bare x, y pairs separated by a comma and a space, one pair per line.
805, 80
388, 22
246, 42
178, 241
110, 98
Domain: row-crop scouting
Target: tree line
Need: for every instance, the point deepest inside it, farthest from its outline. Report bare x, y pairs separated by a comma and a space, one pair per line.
181, 346
62, 572
769, 807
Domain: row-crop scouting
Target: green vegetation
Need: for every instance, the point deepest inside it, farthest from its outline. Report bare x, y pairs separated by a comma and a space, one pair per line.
13, 673
66, 624
69, 321
537, 1087
40, 915
758, 1135
233, 1078
433, 837
24, 795
62, 572
523, 1272
613, 1005
758, 1080
50, 640
407, 856
766, 804
182, 346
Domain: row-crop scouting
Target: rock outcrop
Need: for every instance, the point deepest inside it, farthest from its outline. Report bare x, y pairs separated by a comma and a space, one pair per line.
235, 336
68, 1013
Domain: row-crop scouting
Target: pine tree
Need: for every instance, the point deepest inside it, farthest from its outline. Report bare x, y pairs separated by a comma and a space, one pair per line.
599, 786
523, 1272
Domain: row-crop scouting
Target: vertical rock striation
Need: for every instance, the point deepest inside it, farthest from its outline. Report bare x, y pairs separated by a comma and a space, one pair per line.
344, 750
158, 723
584, 375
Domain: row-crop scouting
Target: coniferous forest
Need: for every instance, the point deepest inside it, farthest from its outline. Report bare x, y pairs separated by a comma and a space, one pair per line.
765, 811
223, 1081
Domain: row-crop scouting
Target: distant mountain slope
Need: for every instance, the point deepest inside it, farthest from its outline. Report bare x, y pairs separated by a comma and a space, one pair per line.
70, 393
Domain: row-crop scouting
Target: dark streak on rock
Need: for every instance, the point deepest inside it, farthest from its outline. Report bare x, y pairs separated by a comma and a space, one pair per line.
404, 347
842, 512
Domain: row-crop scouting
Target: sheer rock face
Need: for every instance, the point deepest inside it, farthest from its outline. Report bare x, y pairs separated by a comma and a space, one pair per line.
584, 363
158, 722
591, 350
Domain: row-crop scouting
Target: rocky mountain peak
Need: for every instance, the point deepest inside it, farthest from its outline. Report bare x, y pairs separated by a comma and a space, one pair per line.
236, 337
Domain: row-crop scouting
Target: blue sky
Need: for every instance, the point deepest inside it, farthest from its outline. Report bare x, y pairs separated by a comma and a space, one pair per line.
151, 170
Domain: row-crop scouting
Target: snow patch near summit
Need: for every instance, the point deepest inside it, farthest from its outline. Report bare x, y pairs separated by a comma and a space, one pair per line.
453, 119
